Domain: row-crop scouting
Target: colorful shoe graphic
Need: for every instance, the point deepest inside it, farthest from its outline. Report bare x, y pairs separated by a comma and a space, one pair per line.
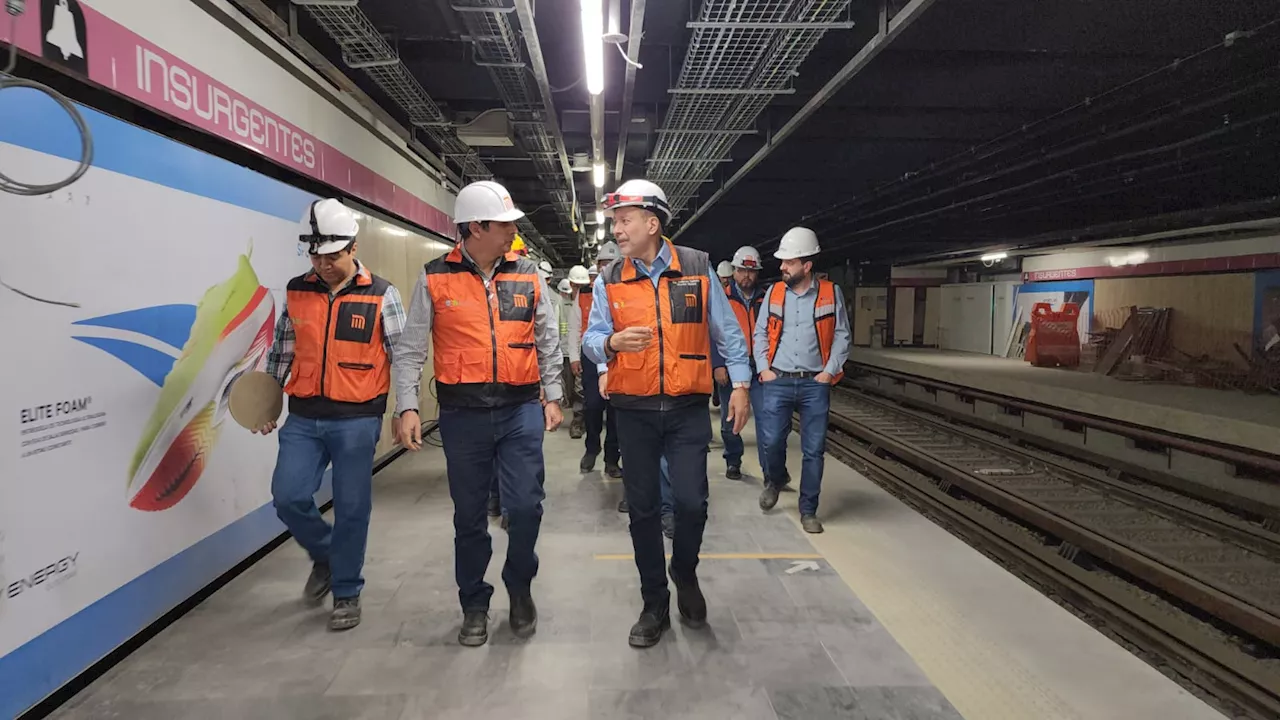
231, 334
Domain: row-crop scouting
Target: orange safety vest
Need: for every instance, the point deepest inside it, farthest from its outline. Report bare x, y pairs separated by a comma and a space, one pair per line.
824, 319
746, 314
340, 366
677, 364
584, 309
485, 347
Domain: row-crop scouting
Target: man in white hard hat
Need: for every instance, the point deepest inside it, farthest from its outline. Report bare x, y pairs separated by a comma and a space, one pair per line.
334, 342
572, 384
724, 271
490, 319
598, 417
657, 313
801, 344
745, 299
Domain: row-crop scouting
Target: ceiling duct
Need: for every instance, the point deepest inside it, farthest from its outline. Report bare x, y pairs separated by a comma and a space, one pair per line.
364, 48
740, 56
490, 128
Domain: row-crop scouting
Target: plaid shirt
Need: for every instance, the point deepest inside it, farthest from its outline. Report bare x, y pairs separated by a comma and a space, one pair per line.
280, 359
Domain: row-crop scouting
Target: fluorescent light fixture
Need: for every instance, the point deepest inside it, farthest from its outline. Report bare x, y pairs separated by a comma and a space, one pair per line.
593, 44
599, 233
357, 215
1136, 257
597, 174
994, 257
398, 232
599, 216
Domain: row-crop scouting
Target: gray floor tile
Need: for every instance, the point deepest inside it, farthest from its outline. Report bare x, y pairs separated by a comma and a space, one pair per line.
869, 656
311, 707
691, 700
850, 703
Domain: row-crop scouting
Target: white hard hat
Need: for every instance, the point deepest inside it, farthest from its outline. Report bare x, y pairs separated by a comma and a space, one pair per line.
544, 269
638, 193
724, 269
593, 271
328, 227
578, 275
608, 252
564, 286
485, 200
798, 242
747, 258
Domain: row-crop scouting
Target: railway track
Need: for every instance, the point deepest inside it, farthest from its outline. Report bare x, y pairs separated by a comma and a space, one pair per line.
1076, 532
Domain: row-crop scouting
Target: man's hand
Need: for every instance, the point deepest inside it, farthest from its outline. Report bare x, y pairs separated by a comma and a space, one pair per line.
410, 433
768, 376
604, 385
633, 339
739, 408
721, 375
552, 414
576, 367
825, 378
266, 429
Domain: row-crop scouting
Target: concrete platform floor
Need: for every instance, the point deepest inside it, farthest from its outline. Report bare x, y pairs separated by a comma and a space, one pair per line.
883, 617
1231, 417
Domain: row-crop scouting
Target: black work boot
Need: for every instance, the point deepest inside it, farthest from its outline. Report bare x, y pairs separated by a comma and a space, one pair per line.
623, 507
733, 472
524, 615
588, 463
649, 628
613, 470
689, 599
475, 629
317, 584
769, 496
346, 613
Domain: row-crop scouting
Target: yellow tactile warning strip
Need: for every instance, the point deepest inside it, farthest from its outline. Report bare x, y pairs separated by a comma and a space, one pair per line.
980, 679
725, 556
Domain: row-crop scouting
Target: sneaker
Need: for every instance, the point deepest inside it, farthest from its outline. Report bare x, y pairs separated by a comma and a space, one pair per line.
811, 523
768, 497
690, 601
475, 629
346, 613
733, 472
669, 526
317, 584
649, 628
524, 615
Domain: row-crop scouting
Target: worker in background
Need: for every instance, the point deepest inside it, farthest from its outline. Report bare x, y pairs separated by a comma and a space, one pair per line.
724, 271
801, 344
334, 341
656, 314
598, 414
490, 319
572, 383
745, 299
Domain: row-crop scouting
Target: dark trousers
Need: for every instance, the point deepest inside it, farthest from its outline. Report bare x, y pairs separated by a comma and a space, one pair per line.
599, 416
477, 443
681, 437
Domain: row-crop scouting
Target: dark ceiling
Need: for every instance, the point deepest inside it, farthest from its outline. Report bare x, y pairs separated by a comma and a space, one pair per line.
985, 123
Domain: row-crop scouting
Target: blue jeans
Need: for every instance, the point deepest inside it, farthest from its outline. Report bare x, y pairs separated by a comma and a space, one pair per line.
812, 400
733, 445
307, 447
479, 442
648, 437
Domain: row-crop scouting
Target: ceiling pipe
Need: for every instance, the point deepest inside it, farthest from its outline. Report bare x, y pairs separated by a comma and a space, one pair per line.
889, 31
524, 11
635, 30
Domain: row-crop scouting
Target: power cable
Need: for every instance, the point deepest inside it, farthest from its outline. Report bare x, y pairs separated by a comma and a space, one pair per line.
7, 81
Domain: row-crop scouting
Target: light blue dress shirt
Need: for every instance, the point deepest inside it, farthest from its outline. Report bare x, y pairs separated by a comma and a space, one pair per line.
728, 344
798, 347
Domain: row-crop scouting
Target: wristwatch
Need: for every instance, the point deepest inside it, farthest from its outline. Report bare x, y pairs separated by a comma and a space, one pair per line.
742, 386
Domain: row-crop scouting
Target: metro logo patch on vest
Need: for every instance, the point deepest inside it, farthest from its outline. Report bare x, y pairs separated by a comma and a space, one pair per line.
516, 300
356, 321
686, 300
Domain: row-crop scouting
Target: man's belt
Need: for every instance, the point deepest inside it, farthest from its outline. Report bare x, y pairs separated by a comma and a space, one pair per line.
804, 374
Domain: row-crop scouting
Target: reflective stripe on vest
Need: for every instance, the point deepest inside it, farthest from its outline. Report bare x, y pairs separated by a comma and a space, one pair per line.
746, 316
584, 309
338, 351
678, 361
824, 319
484, 345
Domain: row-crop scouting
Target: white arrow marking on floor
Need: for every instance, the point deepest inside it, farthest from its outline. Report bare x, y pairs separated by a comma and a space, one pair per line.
798, 565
